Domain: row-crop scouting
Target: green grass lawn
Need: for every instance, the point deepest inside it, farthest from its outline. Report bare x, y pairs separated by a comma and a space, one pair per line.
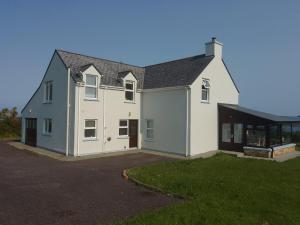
297, 148
224, 190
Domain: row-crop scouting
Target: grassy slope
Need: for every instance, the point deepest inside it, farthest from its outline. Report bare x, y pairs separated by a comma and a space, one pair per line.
225, 190
297, 148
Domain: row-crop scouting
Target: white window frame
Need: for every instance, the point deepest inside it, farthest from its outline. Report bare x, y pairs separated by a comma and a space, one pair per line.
149, 128
207, 89
129, 90
127, 127
46, 126
90, 128
91, 86
48, 91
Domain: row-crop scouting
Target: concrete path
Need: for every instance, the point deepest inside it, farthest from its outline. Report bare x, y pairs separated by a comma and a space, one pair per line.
38, 190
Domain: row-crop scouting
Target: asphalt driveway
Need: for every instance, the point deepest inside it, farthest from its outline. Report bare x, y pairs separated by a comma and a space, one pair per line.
39, 190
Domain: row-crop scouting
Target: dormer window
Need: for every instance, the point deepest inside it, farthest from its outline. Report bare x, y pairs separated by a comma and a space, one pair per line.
205, 90
91, 87
129, 91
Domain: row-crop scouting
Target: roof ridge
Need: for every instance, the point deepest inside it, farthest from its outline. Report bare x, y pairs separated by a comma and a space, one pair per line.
75, 53
141, 67
202, 55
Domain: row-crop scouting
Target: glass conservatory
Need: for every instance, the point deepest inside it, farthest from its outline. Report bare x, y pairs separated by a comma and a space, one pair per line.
241, 128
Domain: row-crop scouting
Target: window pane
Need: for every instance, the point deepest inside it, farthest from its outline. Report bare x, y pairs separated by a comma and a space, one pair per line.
226, 132
46, 92
274, 135
123, 123
205, 94
90, 123
286, 133
296, 133
256, 138
129, 86
45, 126
206, 83
238, 133
90, 92
88, 133
49, 126
149, 123
122, 131
91, 80
149, 133
129, 95
50, 91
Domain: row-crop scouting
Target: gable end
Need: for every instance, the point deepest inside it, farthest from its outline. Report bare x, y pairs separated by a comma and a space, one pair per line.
55, 52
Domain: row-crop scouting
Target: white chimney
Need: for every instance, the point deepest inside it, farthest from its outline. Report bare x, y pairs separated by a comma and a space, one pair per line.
213, 48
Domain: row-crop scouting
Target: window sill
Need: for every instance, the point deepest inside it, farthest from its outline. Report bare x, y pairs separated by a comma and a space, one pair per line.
205, 102
91, 99
47, 102
90, 139
130, 102
123, 137
148, 139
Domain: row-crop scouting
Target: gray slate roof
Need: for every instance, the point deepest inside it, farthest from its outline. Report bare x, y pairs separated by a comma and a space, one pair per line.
174, 73
109, 69
263, 115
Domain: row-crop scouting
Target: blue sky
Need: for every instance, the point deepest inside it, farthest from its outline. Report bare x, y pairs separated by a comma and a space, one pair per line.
261, 41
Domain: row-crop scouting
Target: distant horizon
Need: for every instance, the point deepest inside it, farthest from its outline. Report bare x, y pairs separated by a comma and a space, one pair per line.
259, 42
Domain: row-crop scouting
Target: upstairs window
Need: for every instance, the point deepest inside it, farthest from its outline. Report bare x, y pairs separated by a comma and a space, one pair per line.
149, 129
48, 91
205, 90
47, 126
90, 86
129, 91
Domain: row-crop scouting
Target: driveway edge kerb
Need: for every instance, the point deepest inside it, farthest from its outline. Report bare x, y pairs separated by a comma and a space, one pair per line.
151, 187
38, 151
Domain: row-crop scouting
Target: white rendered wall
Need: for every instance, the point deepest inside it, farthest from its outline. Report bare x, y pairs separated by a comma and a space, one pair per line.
89, 109
56, 111
204, 116
167, 108
111, 107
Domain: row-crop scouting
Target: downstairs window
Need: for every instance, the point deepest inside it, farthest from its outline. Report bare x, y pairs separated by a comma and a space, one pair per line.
90, 129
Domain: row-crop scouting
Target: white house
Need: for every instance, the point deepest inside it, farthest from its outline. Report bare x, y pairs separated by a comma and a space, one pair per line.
87, 105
